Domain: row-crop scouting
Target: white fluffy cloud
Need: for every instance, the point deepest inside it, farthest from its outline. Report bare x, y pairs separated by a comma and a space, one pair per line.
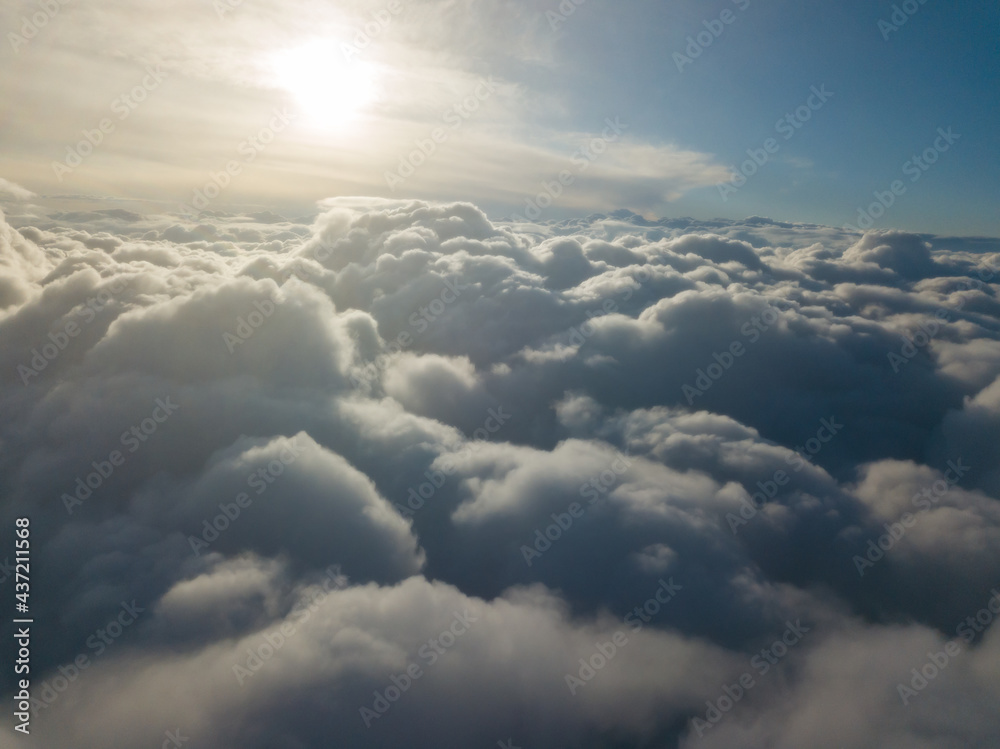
535, 429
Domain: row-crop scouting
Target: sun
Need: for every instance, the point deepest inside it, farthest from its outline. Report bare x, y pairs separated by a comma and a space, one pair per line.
329, 90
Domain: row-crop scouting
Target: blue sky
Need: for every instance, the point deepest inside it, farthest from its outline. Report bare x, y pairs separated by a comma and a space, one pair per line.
939, 69
552, 91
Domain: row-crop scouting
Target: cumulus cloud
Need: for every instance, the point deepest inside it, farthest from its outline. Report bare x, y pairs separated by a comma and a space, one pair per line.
404, 473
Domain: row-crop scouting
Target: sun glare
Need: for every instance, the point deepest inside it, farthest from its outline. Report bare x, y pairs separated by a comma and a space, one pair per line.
329, 90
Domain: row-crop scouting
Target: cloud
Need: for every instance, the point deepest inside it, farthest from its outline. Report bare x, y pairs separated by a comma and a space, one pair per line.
310, 454
12, 191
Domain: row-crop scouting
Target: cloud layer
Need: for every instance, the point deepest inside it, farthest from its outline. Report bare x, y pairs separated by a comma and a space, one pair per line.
406, 474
